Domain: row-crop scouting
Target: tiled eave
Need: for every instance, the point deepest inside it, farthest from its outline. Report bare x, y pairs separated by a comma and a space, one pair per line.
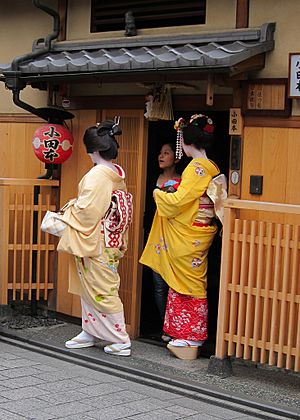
219, 52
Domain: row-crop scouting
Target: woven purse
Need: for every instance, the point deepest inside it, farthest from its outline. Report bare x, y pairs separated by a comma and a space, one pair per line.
52, 224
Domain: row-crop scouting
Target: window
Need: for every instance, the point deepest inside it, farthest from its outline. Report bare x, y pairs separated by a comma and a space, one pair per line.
110, 15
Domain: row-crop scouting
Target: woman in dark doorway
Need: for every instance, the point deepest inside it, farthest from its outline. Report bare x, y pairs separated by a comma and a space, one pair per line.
181, 234
167, 163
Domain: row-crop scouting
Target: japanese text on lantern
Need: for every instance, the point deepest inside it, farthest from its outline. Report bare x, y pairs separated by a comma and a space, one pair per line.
294, 75
51, 144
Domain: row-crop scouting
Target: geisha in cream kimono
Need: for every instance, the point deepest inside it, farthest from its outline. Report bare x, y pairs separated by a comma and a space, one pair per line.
93, 268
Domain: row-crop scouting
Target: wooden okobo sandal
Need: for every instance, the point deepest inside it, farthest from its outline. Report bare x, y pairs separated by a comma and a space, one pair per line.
187, 352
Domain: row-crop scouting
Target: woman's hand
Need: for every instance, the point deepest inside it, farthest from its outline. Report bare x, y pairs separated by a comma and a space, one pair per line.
155, 191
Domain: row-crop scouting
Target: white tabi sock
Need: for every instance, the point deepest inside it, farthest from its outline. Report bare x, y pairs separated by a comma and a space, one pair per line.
85, 336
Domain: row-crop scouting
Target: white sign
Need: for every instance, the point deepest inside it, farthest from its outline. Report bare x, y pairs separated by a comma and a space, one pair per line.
234, 177
294, 75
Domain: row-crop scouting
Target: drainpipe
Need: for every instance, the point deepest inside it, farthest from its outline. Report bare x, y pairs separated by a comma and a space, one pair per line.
12, 81
16, 85
15, 65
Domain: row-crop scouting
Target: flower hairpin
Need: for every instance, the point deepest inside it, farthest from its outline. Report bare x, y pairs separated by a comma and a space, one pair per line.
179, 124
206, 123
202, 121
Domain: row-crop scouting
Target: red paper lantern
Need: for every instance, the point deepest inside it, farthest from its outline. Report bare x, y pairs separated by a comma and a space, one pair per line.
52, 143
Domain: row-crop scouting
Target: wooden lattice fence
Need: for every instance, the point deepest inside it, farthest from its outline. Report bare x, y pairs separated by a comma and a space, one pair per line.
27, 255
259, 303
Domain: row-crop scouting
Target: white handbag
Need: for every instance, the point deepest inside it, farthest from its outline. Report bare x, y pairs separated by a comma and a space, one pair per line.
52, 224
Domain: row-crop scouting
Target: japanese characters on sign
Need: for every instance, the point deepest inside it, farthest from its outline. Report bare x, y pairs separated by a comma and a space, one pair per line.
235, 121
255, 96
52, 143
266, 97
294, 75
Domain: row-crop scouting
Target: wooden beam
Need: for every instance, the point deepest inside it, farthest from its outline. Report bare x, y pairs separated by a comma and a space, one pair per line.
180, 102
242, 14
261, 206
210, 90
256, 62
62, 11
265, 121
20, 118
29, 182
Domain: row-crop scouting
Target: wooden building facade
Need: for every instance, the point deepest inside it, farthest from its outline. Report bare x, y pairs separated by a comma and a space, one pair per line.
233, 64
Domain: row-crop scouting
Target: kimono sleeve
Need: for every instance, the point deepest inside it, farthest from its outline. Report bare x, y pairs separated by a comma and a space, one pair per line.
193, 185
94, 197
83, 218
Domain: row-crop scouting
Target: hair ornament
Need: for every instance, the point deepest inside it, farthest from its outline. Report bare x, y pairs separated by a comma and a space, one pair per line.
109, 127
202, 121
115, 129
179, 124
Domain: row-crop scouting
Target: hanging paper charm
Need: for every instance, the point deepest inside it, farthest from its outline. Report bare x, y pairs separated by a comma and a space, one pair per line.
52, 143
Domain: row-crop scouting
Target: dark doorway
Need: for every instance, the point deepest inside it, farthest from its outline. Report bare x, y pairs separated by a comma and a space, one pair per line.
161, 132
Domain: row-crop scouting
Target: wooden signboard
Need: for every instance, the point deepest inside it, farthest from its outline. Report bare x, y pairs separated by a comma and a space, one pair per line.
235, 122
266, 97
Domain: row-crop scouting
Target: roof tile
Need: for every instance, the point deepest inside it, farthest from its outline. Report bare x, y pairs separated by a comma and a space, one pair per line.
203, 51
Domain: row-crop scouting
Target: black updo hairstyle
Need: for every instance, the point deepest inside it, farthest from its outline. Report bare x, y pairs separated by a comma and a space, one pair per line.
199, 132
101, 138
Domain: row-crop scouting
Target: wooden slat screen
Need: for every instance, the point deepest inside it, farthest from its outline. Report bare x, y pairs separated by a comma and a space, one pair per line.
131, 157
27, 254
259, 304
110, 16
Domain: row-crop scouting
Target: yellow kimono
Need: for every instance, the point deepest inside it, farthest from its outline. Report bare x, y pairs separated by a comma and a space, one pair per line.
182, 231
93, 273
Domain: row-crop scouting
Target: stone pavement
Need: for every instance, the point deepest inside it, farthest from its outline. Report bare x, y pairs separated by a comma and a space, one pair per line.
252, 389
36, 386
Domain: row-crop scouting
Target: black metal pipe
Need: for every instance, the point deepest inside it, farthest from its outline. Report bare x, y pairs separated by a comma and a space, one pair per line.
56, 23
48, 174
48, 40
33, 302
15, 65
23, 105
36, 192
16, 85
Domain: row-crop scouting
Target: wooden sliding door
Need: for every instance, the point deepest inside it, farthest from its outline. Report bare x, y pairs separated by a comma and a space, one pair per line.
132, 157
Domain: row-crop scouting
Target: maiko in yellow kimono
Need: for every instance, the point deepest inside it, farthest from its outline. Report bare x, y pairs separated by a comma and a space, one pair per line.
182, 231
178, 244
93, 268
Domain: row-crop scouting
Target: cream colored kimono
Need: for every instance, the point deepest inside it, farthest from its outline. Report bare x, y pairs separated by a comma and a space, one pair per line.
93, 273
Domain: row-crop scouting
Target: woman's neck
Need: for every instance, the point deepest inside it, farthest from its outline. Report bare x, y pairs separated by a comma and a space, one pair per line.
195, 153
108, 163
169, 172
